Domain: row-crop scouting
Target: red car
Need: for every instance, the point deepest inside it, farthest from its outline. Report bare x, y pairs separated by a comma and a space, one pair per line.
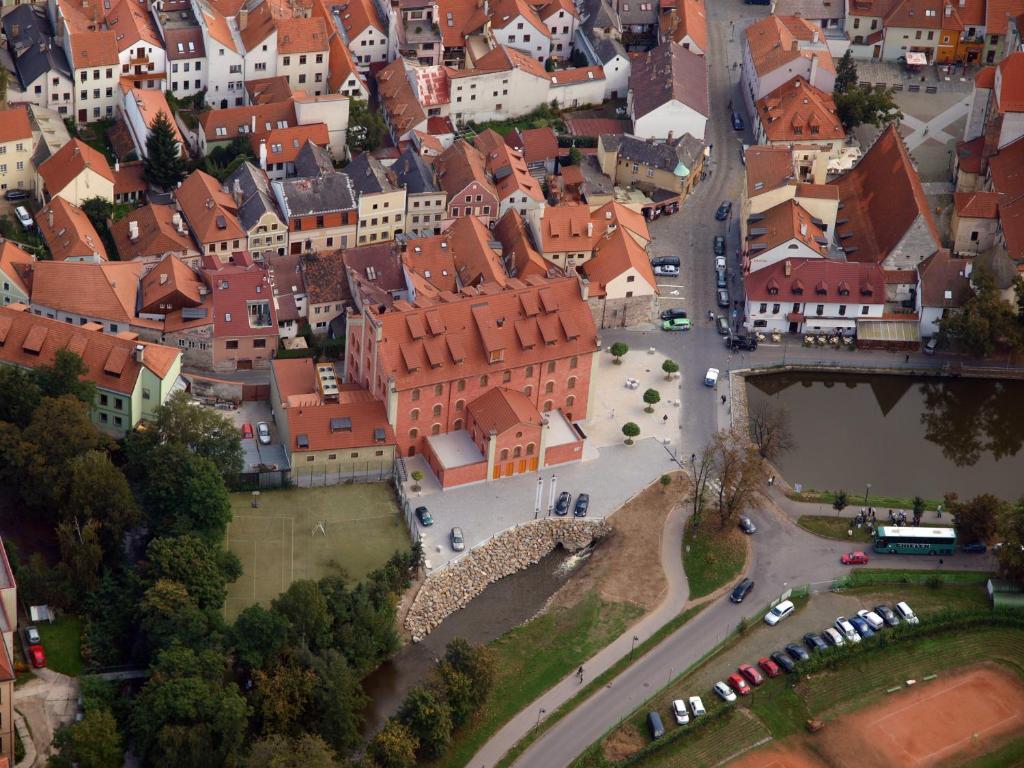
37, 656
738, 684
247, 431
854, 558
769, 667
751, 674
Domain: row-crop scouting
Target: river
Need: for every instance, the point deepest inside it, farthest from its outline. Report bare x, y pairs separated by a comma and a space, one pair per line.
503, 605
904, 435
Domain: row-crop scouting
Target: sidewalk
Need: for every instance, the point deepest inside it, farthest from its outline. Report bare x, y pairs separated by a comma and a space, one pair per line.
796, 509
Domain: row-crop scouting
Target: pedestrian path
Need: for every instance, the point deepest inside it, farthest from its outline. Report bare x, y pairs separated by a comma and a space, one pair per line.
922, 130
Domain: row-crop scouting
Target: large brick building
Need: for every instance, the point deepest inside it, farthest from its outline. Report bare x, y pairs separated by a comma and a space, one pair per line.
428, 361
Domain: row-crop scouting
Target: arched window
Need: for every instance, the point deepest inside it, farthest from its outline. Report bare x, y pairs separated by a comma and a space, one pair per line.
530, 448
413, 434
457, 425
414, 414
504, 454
569, 401
415, 394
528, 391
436, 429
549, 388
547, 406
437, 411
519, 435
517, 452
438, 389
459, 405
571, 383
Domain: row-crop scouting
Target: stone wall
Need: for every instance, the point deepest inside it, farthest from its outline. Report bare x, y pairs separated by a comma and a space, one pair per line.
451, 588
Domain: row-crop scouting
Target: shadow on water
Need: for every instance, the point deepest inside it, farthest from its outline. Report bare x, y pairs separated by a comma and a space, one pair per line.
905, 435
502, 606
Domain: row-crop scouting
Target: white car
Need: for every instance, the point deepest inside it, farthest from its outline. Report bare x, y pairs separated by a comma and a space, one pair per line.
666, 271
697, 706
906, 614
846, 629
873, 619
832, 637
719, 263
725, 692
263, 433
24, 217
711, 377
679, 712
779, 612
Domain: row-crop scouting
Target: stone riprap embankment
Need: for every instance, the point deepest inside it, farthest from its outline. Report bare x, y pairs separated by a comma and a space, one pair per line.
451, 588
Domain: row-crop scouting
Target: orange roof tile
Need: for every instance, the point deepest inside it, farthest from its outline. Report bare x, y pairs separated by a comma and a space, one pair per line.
219, 29
284, 144
129, 177
977, 205
58, 170
475, 260
782, 223
689, 19
170, 285
232, 288
152, 102
431, 259
14, 263
301, 35
768, 168
614, 254
825, 278
537, 144
501, 409
505, 12
14, 124
256, 119
576, 75
158, 233
259, 25
132, 23
554, 6
508, 167
985, 77
398, 98
1011, 83
459, 166
93, 49
773, 43
358, 17
797, 111
209, 211
998, 14
106, 290
459, 18
68, 232
517, 251
501, 58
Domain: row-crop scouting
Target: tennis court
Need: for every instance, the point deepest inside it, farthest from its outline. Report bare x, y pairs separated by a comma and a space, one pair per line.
308, 533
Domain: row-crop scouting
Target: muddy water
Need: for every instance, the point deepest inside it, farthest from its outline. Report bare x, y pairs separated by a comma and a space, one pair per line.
502, 606
905, 436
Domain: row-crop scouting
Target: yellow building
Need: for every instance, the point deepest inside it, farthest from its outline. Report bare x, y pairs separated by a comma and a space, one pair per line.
16, 170
381, 201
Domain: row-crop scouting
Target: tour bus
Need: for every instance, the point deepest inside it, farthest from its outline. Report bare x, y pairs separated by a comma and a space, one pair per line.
915, 541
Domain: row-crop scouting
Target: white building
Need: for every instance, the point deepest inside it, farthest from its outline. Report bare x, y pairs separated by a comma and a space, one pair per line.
516, 24
42, 69
607, 53
668, 93
96, 68
563, 21
225, 84
186, 61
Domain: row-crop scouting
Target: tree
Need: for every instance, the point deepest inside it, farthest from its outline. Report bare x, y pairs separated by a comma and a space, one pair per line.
477, 662
81, 553
1010, 553
98, 491
458, 693
365, 127
975, 520
846, 73
575, 157
304, 607
840, 501
164, 165
394, 747
417, 477
277, 751
169, 615
203, 568
19, 395
92, 742
918, 506
202, 430
1018, 292
652, 397
859, 105
338, 703
362, 621
64, 377
258, 635
630, 430
738, 468
429, 719
670, 367
984, 322
619, 349
183, 493
770, 430
281, 696
700, 473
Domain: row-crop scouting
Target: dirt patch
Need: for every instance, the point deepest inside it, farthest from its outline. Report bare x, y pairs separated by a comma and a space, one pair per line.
778, 756
944, 722
626, 567
623, 743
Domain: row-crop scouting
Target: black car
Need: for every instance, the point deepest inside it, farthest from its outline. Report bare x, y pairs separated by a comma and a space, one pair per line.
665, 261
562, 505
782, 659
975, 548
423, 515
723, 210
720, 279
15, 194
888, 615
719, 245
582, 502
815, 642
673, 314
862, 627
737, 121
741, 342
796, 652
723, 298
723, 325
747, 525
742, 590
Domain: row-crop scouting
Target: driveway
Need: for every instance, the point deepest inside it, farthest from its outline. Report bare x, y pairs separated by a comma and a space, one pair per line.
46, 703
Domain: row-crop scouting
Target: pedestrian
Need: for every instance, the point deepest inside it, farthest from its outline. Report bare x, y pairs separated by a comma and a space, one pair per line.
940, 562
579, 674
907, 358
693, 458
723, 399
665, 418
771, 480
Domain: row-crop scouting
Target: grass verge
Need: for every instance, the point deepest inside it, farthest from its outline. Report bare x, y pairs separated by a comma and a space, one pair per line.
532, 658
833, 528
712, 556
878, 502
1009, 754
62, 641
859, 577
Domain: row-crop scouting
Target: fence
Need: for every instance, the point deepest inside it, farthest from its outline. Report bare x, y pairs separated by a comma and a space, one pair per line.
337, 473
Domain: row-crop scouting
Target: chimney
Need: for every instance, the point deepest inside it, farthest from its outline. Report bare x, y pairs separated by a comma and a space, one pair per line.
814, 36
584, 287
49, 212
590, 229
788, 268
949, 9
243, 18
263, 154
133, 230
814, 70
236, 193
117, 166
669, 139
252, 126
140, 352
163, 278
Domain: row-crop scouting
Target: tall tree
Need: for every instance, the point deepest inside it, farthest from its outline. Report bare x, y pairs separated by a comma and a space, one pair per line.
846, 73
205, 569
365, 127
169, 615
429, 719
305, 608
183, 493
1011, 536
338, 703
81, 553
98, 491
258, 636
280, 698
738, 468
476, 662
858, 106
770, 430
394, 746
19, 395
985, 321
276, 751
362, 623
975, 520
203, 431
701, 468
164, 165
92, 742
64, 377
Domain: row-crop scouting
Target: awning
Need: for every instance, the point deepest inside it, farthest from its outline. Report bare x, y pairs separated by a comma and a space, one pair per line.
795, 317
890, 331
916, 59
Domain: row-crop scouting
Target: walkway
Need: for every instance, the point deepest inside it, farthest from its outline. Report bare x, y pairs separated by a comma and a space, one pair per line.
935, 127
45, 703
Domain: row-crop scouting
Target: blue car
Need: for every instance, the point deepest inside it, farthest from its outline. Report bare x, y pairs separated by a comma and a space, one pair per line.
737, 121
423, 515
862, 627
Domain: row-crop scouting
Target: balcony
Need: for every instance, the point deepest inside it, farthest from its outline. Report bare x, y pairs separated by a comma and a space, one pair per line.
138, 61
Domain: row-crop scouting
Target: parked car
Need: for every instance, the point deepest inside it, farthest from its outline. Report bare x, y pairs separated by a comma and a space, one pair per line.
832, 637
722, 323
457, 539
665, 261
718, 244
720, 281
738, 684
697, 706
797, 652
680, 713
725, 693
247, 431
673, 314
815, 642
723, 210
750, 674
15, 194
666, 271
37, 656
263, 432
423, 515
32, 636
783, 660
854, 558
562, 505
873, 619
846, 629
931, 345
678, 324
654, 725
862, 627
582, 504
711, 377
741, 590
779, 612
974, 548
906, 614
769, 667
890, 618
747, 525
723, 298
720, 263
737, 121
24, 217
742, 342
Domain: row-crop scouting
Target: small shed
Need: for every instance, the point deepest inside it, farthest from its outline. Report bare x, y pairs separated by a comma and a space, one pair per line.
1006, 594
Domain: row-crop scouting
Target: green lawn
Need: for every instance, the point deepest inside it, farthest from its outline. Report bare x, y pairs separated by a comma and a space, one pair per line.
866, 576
1011, 754
712, 556
853, 500
923, 599
276, 545
62, 642
833, 528
532, 658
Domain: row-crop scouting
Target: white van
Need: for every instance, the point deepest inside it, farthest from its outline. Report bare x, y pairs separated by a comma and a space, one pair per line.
697, 706
711, 377
873, 619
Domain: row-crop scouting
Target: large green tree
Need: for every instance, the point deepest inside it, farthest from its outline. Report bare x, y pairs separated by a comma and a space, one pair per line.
338, 703
64, 377
305, 608
846, 73
203, 431
858, 106
365, 127
281, 697
1010, 553
184, 493
81, 554
205, 569
19, 395
98, 491
976, 519
93, 742
394, 746
362, 622
169, 615
258, 636
164, 165
429, 719
985, 322
276, 751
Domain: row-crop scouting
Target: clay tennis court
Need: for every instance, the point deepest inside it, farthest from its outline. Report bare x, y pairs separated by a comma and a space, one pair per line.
958, 716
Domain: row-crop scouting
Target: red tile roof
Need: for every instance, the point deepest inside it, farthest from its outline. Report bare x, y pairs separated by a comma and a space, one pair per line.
817, 280
538, 144
768, 168
219, 29
475, 260
944, 282
499, 410
614, 254
58, 170
576, 75
505, 12
508, 167
106, 290
595, 126
459, 18
976, 205
669, 73
170, 285
265, 117
782, 223
688, 18
92, 49
209, 210
233, 287
501, 58
774, 42
129, 177
431, 259
133, 24
969, 154
290, 141
797, 111
159, 234
301, 35
518, 253
14, 263
985, 77
14, 124
1007, 171
1011, 83
68, 232
998, 14
151, 103
398, 98
459, 166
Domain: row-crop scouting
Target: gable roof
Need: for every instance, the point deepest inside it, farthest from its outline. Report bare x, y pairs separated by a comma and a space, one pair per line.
774, 42
824, 280
614, 254
797, 111
328, 193
68, 162
768, 168
255, 119
781, 223
209, 210
232, 287
976, 205
398, 99
499, 410
1010, 74
688, 18
1007, 171
68, 232
475, 260
677, 158
250, 189
517, 251
184, 43
31, 44
459, 166
431, 260
666, 73
106, 290
14, 124
998, 14
13, 264
504, 12
151, 102
301, 35
501, 58
158, 233
93, 49
944, 280
284, 144
132, 24
413, 173
507, 167
169, 277
538, 145
369, 176
459, 18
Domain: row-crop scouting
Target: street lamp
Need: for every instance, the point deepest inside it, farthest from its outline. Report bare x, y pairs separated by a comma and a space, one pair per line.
867, 490
540, 714
633, 648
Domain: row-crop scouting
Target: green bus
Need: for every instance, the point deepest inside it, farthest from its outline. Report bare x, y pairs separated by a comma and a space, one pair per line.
915, 541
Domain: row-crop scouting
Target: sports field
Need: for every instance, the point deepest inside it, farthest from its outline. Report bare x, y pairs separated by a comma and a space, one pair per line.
281, 541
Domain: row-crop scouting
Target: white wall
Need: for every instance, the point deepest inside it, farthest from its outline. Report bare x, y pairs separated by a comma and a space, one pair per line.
369, 47
186, 76
829, 319
791, 249
330, 109
156, 55
618, 287
562, 27
616, 78
524, 36
975, 125
261, 63
222, 83
579, 94
60, 98
305, 71
497, 96
672, 117
899, 40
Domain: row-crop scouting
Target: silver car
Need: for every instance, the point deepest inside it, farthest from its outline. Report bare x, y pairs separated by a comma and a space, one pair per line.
263, 433
458, 540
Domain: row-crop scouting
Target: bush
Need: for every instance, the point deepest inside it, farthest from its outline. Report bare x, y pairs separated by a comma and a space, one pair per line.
630, 430
618, 349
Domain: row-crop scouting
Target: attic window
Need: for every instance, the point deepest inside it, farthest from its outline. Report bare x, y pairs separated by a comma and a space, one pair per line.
341, 424
302, 441
378, 435
222, 223
223, 285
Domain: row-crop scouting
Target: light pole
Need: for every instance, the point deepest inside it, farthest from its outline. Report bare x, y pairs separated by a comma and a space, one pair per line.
551, 494
633, 648
540, 714
867, 490
537, 499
